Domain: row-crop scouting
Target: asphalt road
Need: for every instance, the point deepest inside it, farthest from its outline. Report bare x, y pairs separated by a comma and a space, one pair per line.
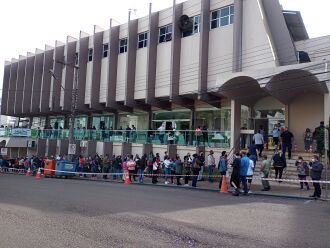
75, 213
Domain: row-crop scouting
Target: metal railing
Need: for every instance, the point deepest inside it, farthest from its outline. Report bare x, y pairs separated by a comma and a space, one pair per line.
210, 138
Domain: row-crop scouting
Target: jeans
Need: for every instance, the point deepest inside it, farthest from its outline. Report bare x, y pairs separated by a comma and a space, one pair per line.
211, 171
278, 172
265, 183
117, 172
286, 146
244, 183
302, 177
167, 171
317, 188
141, 174
194, 179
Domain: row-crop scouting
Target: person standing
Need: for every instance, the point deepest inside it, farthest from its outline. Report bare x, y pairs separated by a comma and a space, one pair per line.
155, 166
279, 163
178, 169
187, 162
198, 134
308, 139
202, 160
143, 164
303, 172
222, 166
319, 137
249, 174
245, 161
276, 136
234, 179
287, 139
205, 136
316, 173
167, 169
258, 138
161, 130
265, 168
196, 167
211, 165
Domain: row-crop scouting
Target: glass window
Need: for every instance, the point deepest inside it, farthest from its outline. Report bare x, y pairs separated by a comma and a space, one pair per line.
165, 33
195, 27
143, 40
105, 50
90, 54
222, 17
76, 59
123, 45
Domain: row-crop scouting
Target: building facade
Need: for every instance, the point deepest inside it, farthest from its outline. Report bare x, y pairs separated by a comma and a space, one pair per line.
226, 65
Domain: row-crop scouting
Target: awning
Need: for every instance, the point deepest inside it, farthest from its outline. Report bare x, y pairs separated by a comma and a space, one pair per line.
17, 142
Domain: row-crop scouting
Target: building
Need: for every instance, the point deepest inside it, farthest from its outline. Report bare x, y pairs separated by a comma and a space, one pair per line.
222, 64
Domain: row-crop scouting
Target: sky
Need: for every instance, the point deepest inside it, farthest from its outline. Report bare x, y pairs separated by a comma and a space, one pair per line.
29, 24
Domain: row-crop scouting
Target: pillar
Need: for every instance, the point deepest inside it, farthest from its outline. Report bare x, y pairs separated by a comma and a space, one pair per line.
235, 124
108, 148
41, 147
116, 121
126, 148
147, 148
172, 150
66, 122
91, 148
287, 115
326, 108
64, 146
51, 147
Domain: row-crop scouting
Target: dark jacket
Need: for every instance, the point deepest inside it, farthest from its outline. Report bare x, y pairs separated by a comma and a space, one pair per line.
316, 170
279, 161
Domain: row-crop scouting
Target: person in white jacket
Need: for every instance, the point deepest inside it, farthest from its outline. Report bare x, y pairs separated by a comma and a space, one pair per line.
249, 174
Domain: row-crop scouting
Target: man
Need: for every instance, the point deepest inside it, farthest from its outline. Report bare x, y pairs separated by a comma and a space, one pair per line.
211, 165
316, 173
245, 162
265, 168
318, 135
258, 138
287, 139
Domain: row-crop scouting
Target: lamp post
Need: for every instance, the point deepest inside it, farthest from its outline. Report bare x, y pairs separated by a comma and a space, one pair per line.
72, 144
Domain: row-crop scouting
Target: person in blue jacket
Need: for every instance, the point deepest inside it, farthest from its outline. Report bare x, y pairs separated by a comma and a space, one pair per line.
222, 166
245, 161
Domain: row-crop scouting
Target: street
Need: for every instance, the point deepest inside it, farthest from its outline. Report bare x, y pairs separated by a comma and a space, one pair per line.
77, 213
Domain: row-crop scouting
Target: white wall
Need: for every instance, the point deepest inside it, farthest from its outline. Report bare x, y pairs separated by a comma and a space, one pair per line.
165, 17
143, 24
303, 114
121, 77
117, 148
162, 84
104, 79
141, 74
189, 64
220, 54
317, 48
216, 4
137, 149
256, 46
99, 148
89, 75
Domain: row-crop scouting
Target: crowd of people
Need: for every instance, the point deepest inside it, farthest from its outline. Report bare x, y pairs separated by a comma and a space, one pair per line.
190, 168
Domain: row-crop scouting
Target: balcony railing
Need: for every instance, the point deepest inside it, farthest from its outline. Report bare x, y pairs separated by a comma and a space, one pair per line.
211, 138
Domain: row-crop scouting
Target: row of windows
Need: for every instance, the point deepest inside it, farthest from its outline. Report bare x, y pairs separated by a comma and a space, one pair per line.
218, 18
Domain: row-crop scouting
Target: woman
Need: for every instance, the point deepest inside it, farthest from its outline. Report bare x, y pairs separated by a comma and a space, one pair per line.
234, 179
279, 163
222, 166
303, 171
178, 169
187, 169
142, 167
196, 167
137, 160
131, 167
167, 170
155, 166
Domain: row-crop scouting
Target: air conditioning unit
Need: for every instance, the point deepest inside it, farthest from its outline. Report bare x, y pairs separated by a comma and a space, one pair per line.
83, 143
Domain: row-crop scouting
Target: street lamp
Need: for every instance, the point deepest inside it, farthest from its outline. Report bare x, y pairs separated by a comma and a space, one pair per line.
72, 144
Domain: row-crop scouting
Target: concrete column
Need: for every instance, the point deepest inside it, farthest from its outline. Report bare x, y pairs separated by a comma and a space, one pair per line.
200, 149
287, 114
41, 147
66, 122
12, 88
64, 146
172, 150
28, 80
91, 148
51, 147
237, 36
147, 148
46, 81
126, 148
37, 80
326, 108
5, 87
108, 148
235, 124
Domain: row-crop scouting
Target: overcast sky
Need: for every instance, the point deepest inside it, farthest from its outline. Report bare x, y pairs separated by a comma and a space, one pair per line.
29, 24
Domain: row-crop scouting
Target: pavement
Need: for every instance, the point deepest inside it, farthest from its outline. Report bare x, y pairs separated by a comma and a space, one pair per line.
78, 213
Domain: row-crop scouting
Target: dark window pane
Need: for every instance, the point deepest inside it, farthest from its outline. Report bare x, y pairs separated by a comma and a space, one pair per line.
224, 12
224, 21
231, 19
214, 24
214, 15
232, 9
169, 29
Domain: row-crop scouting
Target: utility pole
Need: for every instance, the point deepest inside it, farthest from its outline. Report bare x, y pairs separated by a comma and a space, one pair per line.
326, 133
74, 97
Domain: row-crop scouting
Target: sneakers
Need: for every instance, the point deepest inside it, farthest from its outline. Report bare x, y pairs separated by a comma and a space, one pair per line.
250, 192
166, 182
186, 185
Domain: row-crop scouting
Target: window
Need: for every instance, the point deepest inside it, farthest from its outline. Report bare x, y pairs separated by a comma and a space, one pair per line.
90, 54
165, 33
195, 28
143, 40
105, 50
76, 59
123, 45
222, 17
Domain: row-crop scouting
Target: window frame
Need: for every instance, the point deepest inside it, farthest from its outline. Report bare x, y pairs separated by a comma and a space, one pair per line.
144, 41
90, 55
105, 52
220, 18
123, 47
195, 28
167, 34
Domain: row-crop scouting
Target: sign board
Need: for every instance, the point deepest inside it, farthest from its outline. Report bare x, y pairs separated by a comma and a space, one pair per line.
72, 149
21, 132
326, 137
4, 151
